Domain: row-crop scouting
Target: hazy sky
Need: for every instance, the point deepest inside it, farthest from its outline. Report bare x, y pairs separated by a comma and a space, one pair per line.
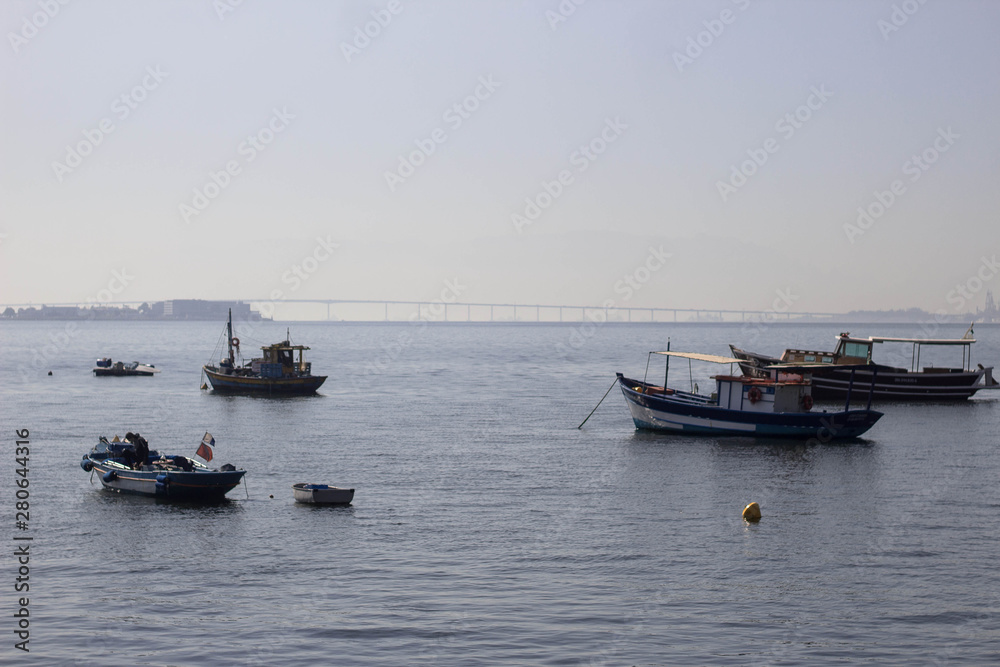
738, 137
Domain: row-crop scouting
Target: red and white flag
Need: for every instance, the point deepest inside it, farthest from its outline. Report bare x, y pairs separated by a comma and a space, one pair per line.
205, 448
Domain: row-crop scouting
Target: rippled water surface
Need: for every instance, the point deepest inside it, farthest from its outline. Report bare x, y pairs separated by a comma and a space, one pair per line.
487, 528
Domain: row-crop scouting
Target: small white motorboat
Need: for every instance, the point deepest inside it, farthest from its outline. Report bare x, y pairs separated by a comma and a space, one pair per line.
106, 367
322, 494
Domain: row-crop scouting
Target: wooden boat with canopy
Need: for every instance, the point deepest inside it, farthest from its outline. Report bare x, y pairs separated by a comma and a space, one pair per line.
831, 371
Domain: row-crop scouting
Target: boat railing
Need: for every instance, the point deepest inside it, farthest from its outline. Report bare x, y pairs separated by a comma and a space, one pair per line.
965, 343
688, 397
674, 394
816, 353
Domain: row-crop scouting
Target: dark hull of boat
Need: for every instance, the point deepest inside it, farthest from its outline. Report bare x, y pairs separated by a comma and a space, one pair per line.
104, 372
690, 415
253, 384
203, 486
891, 384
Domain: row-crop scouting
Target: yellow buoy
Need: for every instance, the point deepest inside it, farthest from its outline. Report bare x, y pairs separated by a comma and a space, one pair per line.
751, 513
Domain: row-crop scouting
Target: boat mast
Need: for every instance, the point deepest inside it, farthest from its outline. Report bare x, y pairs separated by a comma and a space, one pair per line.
229, 338
666, 371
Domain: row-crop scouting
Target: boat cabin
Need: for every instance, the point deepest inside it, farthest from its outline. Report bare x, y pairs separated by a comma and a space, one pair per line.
849, 351
783, 392
853, 351
280, 358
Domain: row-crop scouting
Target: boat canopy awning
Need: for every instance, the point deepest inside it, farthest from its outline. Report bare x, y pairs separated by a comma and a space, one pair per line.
924, 341
711, 358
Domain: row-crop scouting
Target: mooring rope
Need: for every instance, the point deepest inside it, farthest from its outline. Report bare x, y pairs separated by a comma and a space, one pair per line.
599, 402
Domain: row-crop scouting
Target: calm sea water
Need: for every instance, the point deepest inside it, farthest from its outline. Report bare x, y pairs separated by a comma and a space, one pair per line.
486, 528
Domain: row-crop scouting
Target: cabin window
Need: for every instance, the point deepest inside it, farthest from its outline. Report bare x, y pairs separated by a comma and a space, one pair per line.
827, 360
810, 357
856, 350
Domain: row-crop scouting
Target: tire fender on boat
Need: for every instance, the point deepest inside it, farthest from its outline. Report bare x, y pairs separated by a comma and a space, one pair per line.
87, 464
162, 484
109, 476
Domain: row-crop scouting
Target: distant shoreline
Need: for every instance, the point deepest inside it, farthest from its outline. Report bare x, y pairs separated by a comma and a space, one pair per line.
197, 310
957, 321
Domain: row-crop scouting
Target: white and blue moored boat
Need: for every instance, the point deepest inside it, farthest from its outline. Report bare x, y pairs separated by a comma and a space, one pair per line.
777, 406
125, 468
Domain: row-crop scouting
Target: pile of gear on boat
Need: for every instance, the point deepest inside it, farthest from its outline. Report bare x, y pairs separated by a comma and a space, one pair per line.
133, 452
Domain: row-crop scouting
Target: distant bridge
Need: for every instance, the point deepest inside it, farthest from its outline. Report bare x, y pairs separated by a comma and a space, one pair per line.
463, 311
533, 312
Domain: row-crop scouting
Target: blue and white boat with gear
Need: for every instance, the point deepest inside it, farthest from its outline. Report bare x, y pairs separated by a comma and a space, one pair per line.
128, 466
779, 405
